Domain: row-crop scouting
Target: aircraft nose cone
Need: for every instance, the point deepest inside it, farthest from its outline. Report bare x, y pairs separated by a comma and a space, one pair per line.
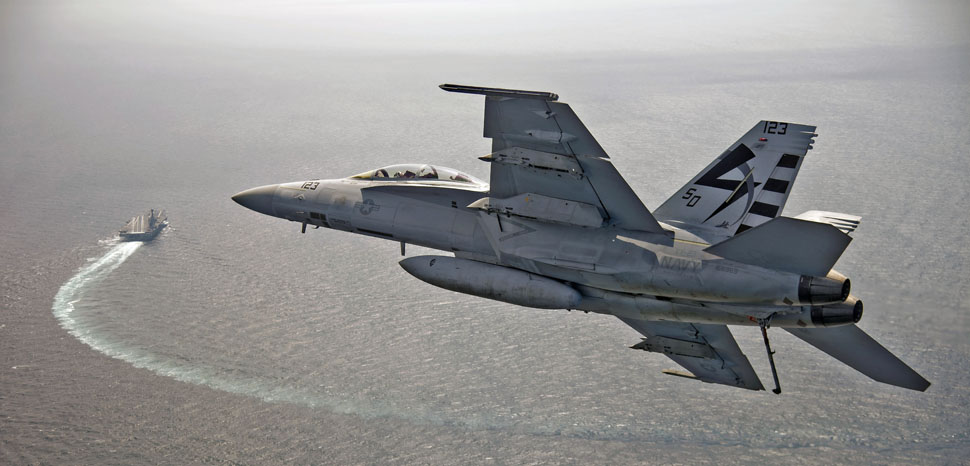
259, 199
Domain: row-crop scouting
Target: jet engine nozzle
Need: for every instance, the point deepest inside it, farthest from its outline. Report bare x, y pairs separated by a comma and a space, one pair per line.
834, 288
833, 315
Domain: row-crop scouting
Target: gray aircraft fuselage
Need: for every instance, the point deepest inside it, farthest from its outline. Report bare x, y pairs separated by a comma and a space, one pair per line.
626, 273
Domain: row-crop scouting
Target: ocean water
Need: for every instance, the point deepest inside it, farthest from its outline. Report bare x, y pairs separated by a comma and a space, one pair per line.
328, 325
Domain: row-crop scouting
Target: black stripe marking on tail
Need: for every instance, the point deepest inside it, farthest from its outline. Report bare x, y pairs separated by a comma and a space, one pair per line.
736, 159
764, 210
788, 161
776, 186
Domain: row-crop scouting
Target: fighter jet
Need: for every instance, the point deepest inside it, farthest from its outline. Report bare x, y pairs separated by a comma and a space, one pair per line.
557, 227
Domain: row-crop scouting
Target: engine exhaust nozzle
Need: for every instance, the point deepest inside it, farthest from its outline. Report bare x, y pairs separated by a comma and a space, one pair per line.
834, 288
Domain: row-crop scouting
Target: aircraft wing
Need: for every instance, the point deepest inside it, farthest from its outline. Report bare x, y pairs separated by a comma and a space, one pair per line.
539, 146
708, 351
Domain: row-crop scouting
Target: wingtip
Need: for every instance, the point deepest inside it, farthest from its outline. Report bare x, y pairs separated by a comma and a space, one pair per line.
677, 373
923, 386
500, 92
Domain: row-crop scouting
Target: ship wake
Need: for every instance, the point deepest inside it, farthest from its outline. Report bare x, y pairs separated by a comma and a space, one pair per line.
66, 302
73, 291
98, 269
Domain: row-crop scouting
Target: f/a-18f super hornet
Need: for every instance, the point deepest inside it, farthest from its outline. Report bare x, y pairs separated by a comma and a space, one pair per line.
557, 227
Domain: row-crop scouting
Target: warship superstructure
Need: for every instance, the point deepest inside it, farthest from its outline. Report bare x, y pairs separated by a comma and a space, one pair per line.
144, 227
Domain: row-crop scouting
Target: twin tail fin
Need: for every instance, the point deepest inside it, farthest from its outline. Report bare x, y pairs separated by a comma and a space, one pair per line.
745, 186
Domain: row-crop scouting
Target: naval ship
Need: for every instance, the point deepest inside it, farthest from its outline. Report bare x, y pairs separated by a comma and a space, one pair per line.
144, 227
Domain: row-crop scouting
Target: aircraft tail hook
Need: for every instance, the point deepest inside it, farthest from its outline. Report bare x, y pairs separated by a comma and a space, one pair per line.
764, 324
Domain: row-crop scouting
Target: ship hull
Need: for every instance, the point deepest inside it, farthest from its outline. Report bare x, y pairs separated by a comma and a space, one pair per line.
144, 227
144, 235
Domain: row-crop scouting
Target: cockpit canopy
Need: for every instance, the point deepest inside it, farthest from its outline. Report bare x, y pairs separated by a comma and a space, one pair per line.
417, 172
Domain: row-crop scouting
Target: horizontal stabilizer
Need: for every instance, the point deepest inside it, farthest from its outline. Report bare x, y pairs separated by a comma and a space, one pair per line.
854, 347
787, 244
845, 222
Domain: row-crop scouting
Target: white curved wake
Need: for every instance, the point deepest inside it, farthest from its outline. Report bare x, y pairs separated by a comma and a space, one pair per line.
72, 291
268, 390
98, 269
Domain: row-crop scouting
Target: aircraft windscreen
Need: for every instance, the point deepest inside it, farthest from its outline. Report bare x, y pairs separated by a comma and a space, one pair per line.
417, 172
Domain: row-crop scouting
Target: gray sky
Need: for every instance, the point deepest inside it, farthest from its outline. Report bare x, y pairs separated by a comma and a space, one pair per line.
541, 28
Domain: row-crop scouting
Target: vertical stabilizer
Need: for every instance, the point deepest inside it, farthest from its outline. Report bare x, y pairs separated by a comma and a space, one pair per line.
745, 186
